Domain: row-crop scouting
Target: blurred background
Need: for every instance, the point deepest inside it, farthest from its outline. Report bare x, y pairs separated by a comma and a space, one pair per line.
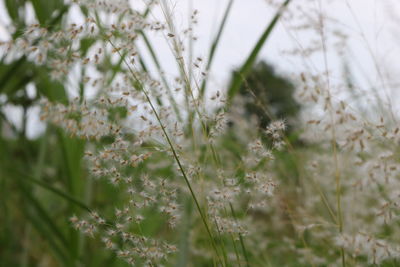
369, 28
42, 175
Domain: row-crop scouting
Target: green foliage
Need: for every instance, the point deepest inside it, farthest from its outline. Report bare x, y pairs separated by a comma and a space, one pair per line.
45, 10
220, 174
13, 8
53, 90
46, 176
241, 75
268, 95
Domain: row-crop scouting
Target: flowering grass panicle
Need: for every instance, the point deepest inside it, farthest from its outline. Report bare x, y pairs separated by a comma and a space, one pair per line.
192, 178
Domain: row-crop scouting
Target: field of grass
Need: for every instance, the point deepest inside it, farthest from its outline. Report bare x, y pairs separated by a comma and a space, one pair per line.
142, 166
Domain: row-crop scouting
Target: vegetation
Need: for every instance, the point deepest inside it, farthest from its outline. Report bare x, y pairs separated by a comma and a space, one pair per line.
142, 167
268, 95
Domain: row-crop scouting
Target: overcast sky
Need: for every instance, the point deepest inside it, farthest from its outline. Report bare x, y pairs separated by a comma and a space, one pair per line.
358, 18
372, 19
371, 25
372, 49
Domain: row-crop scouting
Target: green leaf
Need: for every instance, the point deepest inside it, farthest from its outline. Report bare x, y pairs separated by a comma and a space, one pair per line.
184, 251
57, 192
44, 216
72, 155
86, 43
73, 151
44, 9
215, 44
13, 7
15, 76
240, 76
53, 90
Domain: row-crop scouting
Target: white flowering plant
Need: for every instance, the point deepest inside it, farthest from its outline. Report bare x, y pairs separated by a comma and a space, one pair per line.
154, 168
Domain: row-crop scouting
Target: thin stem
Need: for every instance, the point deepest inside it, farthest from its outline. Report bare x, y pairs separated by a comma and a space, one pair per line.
175, 155
334, 147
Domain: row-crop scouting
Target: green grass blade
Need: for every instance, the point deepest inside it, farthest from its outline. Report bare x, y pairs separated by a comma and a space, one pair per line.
72, 155
13, 7
57, 192
45, 218
215, 45
244, 250
44, 9
161, 73
240, 76
184, 251
41, 229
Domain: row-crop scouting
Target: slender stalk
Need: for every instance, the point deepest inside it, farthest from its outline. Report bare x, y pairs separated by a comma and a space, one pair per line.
241, 75
334, 146
215, 45
172, 147
161, 73
245, 254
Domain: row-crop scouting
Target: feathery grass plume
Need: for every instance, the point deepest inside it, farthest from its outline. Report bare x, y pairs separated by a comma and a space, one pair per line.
181, 177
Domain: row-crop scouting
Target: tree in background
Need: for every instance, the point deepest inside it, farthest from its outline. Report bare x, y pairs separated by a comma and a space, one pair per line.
268, 95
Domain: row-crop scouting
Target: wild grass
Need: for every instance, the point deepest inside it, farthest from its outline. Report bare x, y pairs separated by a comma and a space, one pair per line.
138, 167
